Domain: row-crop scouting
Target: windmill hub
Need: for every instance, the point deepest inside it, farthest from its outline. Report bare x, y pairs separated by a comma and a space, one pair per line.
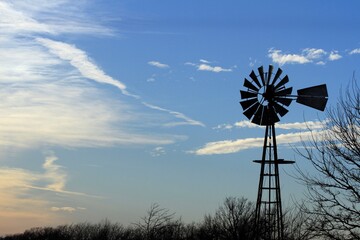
265, 95
269, 93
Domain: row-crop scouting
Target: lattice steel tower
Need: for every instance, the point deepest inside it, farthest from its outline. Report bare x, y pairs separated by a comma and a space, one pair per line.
263, 102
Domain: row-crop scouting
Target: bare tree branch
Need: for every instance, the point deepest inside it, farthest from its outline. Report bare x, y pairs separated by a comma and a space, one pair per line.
334, 190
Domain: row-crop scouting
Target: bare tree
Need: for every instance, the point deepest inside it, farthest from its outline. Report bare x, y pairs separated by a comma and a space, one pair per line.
296, 224
334, 189
234, 219
159, 223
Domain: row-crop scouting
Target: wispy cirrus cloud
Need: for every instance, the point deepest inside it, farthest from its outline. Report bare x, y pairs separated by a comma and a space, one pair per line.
307, 55
20, 198
66, 112
82, 62
158, 64
89, 70
53, 179
185, 120
47, 83
48, 17
52, 94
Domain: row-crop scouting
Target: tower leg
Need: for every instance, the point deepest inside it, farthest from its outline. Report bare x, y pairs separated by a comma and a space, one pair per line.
268, 213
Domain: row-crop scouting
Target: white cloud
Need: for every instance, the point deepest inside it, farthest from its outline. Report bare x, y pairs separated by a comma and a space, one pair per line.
158, 151
245, 124
278, 57
313, 125
228, 146
204, 61
355, 51
190, 64
334, 55
252, 62
233, 146
66, 209
204, 66
313, 53
223, 126
158, 64
308, 55
217, 69
320, 63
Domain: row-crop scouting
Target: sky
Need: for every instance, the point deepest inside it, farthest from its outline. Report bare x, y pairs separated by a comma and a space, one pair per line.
110, 106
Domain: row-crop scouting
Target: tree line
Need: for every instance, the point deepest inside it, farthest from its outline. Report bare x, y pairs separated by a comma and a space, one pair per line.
233, 220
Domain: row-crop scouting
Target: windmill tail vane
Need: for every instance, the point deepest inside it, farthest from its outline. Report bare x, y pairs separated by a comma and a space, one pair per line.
265, 100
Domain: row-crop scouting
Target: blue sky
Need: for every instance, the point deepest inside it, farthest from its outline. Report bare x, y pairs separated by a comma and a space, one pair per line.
110, 106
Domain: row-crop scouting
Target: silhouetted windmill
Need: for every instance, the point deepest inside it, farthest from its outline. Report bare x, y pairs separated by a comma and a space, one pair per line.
264, 101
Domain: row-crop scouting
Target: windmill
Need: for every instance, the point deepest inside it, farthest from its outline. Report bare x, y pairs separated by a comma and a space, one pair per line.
264, 101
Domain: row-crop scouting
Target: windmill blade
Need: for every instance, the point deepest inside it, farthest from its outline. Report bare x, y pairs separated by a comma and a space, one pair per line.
282, 82
277, 75
249, 85
271, 116
251, 110
284, 92
248, 103
254, 78
257, 119
261, 72
269, 74
283, 100
315, 97
280, 109
247, 94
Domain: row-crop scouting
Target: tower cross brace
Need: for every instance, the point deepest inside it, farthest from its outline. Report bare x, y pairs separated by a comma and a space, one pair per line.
268, 213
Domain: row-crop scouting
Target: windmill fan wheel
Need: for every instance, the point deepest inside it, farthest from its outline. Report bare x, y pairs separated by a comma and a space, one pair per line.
266, 98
